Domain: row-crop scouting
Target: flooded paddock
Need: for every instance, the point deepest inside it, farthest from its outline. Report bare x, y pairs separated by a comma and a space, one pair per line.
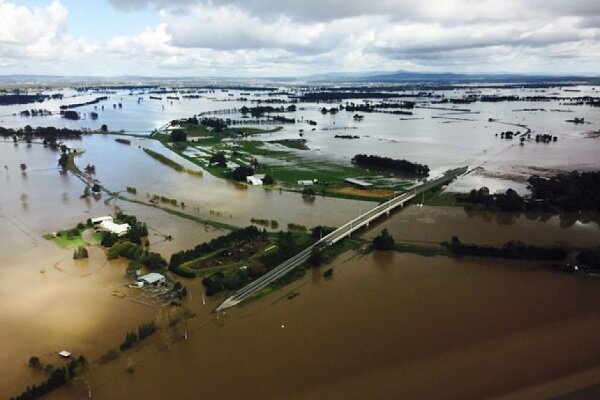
387, 325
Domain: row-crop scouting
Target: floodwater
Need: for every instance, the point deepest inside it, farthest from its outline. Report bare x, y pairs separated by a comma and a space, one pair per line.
442, 137
438, 224
49, 302
119, 166
387, 325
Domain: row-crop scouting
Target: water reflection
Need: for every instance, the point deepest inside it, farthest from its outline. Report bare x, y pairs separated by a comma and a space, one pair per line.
566, 220
501, 218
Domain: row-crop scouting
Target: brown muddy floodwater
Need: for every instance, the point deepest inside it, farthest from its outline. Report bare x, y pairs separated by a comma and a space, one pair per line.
49, 302
438, 224
387, 325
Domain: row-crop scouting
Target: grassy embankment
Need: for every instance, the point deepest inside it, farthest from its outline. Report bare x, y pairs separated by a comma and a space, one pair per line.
170, 163
71, 238
286, 167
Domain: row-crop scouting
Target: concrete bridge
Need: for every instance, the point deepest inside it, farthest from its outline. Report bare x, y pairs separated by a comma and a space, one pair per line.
335, 236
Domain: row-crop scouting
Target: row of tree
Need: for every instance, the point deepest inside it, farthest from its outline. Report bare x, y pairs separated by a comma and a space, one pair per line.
259, 111
58, 378
512, 249
390, 164
143, 331
234, 237
572, 192
49, 132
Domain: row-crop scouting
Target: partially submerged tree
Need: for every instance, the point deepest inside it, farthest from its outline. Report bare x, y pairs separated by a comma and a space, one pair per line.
384, 241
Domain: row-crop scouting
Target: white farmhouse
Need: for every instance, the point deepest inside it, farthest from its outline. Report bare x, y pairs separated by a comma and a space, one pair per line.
117, 229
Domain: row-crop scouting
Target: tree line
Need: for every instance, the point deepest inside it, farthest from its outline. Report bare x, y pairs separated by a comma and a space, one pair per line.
571, 192
512, 249
48, 132
230, 239
390, 164
58, 377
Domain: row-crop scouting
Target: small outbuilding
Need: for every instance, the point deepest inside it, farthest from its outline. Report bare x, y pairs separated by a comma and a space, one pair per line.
255, 180
152, 279
309, 182
98, 220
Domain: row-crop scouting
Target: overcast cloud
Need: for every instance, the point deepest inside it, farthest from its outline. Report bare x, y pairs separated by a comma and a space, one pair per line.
292, 37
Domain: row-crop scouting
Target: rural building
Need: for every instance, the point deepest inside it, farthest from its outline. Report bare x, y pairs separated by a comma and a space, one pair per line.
117, 229
232, 145
152, 279
309, 182
255, 180
99, 220
358, 183
64, 354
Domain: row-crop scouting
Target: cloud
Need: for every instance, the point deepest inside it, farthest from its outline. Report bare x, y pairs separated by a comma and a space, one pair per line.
22, 26
285, 37
36, 39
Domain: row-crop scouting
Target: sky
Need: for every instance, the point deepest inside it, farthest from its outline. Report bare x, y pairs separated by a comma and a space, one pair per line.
271, 38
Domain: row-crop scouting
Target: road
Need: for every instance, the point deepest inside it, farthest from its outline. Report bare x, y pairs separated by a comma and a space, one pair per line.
335, 236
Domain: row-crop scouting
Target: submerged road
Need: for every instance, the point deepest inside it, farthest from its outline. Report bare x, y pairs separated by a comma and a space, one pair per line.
335, 236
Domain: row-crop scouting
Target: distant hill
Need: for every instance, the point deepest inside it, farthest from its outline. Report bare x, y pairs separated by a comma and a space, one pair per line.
407, 76
333, 77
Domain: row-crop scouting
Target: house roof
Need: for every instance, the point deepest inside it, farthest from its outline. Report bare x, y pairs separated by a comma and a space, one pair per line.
358, 182
254, 180
152, 277
110, 226
103, 218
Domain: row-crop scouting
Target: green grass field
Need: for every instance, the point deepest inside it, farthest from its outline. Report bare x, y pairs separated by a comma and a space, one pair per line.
286, 166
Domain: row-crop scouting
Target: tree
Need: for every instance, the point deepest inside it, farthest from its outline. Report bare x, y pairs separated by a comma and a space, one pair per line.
86, 193
80, 252
104, 128
34, 362
308, 191
130, 340
74, 115
218, 159
23, 167
315, 259
384, 241
178, 135
268, 180
242, 172
63, 161
590, 258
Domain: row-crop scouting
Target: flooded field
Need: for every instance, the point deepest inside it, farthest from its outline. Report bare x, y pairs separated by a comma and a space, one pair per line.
49, 301
442, 136
386, 326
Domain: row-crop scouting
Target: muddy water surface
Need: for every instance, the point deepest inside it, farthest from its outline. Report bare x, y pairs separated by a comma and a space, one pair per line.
438, 224
386, 326
48, 301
